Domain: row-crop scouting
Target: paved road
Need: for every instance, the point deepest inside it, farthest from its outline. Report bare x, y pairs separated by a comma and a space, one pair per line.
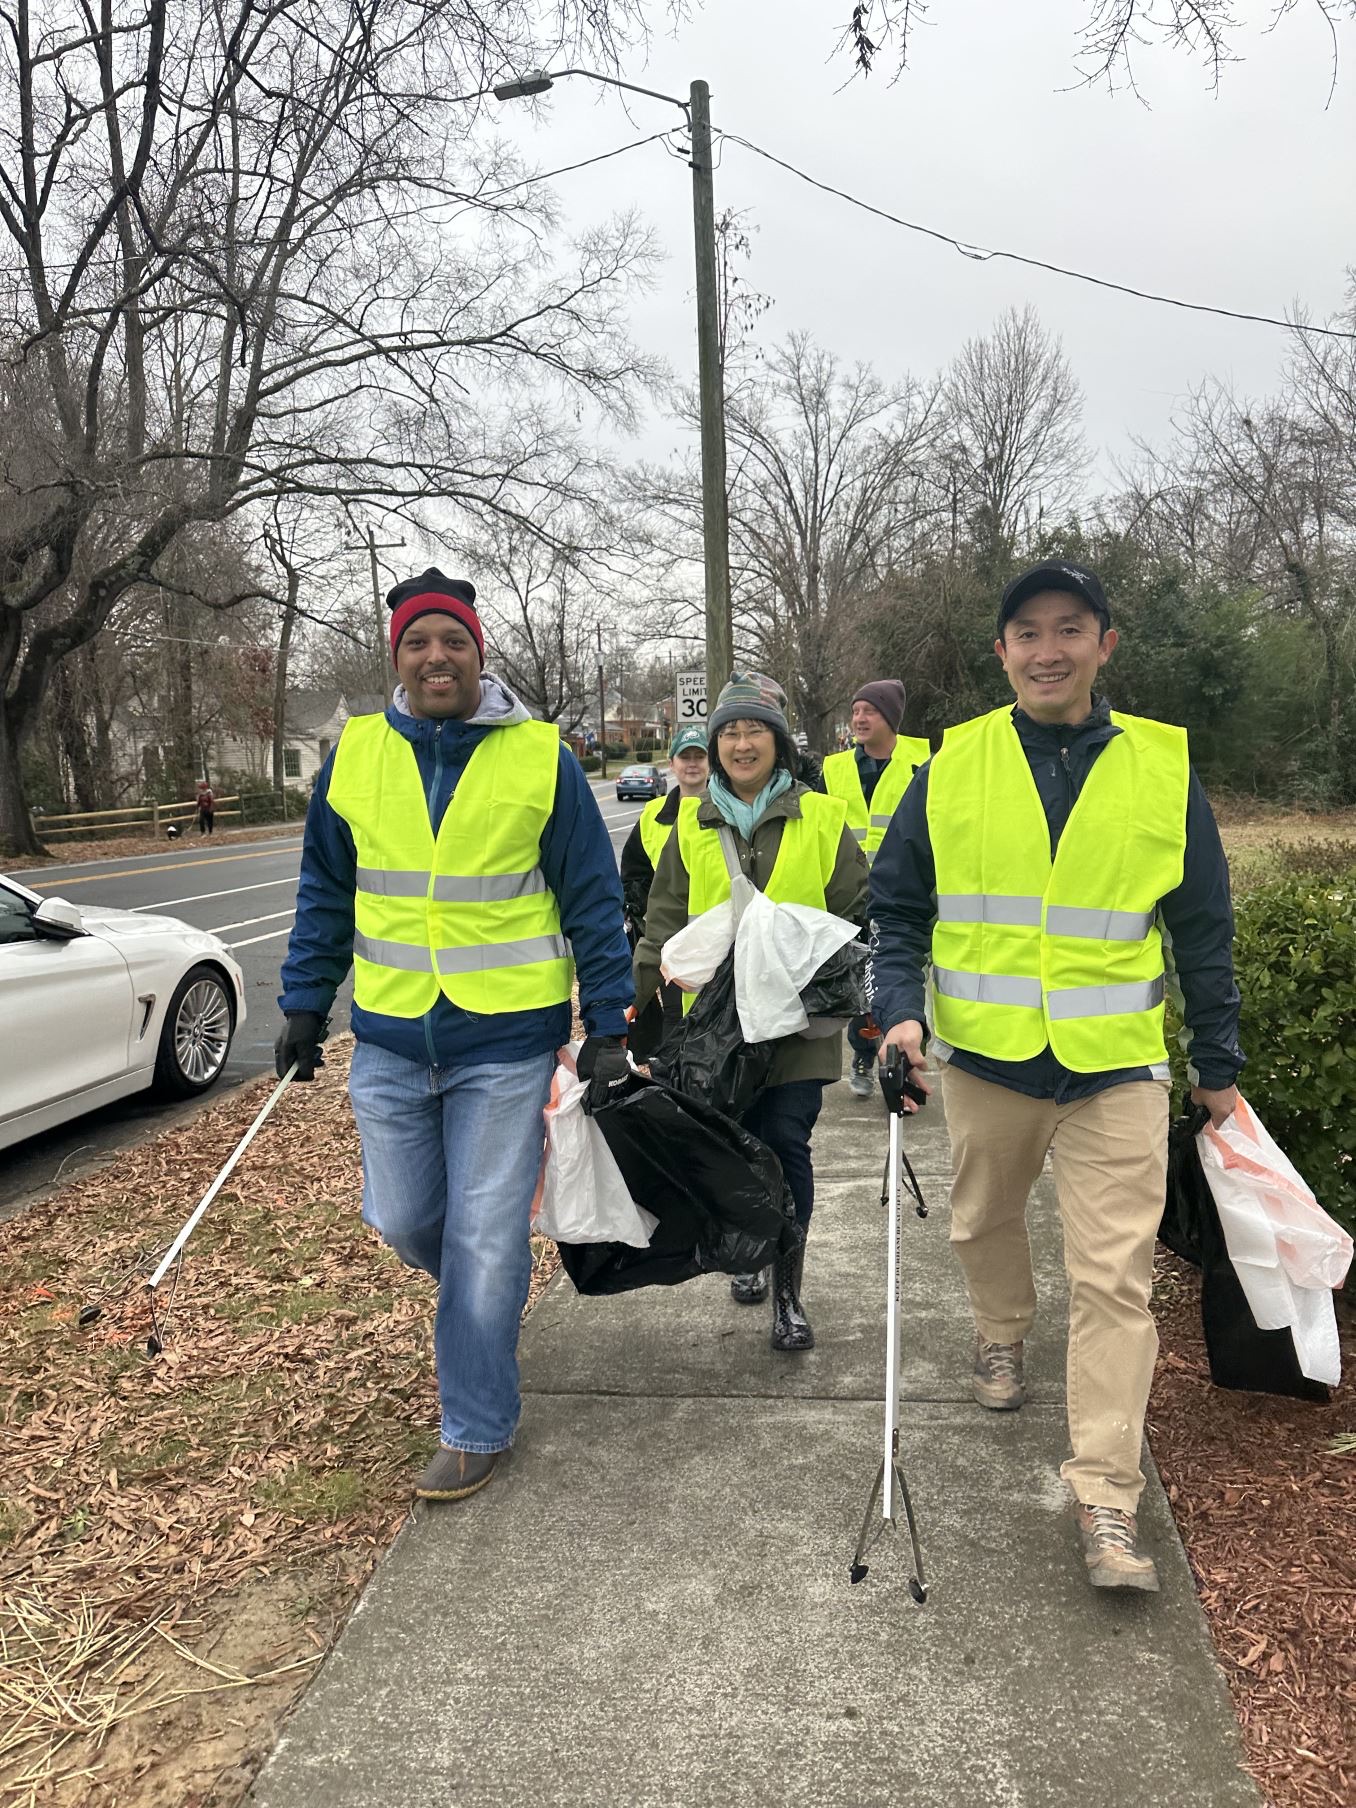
246, 894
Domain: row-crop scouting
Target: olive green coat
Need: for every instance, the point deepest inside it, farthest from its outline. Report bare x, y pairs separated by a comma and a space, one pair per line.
818, 1058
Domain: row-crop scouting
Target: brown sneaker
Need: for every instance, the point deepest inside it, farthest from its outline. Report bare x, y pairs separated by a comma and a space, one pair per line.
453, 1474
1111, 1549
997, 1375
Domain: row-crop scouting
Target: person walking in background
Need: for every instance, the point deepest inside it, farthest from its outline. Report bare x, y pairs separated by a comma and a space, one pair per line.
455, 856
871, 777
207, 807
1053, 860
645, 843
639, 857
794, 844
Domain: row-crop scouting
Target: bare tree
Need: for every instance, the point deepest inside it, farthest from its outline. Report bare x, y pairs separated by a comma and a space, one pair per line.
261, 251
1011, 411
1112, 33
538, 607
821, 458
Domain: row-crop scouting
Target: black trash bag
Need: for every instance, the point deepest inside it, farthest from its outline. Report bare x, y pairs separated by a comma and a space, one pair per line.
705, 1056
1241, 1356
717, 1192
838, 988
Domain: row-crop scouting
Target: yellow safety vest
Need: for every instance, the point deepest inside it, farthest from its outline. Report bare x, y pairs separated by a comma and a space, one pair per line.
653, 834
843, 779
1026, 952
469, 915
803, 867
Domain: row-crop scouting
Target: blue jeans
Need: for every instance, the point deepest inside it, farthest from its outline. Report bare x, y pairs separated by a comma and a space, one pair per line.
783, 1118
450, 1163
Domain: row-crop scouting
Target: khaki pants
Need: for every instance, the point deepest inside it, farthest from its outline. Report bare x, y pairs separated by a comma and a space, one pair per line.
1110, 1163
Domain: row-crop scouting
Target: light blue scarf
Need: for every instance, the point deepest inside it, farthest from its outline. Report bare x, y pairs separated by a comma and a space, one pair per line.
741, 816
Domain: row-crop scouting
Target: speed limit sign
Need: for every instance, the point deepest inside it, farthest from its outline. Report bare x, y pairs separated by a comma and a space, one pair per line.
691, 698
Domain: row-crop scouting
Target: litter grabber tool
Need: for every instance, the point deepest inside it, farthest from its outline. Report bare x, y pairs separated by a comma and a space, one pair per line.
890, 1489
160, 1326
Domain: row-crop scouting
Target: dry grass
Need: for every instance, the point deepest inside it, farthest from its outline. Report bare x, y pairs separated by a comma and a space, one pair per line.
190, 1529
127, 847
1264, 1492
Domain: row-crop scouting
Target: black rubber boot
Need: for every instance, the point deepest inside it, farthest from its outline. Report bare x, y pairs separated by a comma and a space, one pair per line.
749, 1289
791, 1329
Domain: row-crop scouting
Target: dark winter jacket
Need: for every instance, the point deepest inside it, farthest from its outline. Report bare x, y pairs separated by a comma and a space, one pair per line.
636, 872
576, 860
1197, 919
797, 1058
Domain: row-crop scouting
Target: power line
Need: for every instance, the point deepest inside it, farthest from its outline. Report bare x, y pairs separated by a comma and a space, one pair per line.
566, 169
981, 254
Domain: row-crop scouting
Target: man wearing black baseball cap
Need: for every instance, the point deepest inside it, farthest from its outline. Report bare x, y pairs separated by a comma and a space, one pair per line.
1056, 861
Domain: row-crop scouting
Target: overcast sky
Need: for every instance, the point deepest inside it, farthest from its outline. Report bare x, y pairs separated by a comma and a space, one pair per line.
1244, 199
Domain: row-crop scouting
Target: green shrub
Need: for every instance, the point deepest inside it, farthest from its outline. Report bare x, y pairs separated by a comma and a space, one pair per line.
1295, 957
589, 761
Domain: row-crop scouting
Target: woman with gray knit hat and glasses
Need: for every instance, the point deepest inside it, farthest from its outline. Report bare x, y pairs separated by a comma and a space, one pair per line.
795, 845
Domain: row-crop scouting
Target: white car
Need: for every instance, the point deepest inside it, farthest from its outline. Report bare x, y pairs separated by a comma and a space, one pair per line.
96, 1004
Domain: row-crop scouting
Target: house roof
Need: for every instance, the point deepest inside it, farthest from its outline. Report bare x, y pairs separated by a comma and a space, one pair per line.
308, 712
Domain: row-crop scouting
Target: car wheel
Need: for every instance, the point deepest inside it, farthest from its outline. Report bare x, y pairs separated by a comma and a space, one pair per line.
195, 1038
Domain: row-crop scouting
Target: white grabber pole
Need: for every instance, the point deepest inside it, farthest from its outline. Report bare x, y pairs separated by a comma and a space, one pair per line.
891, 1334
896, 1085
176, 1247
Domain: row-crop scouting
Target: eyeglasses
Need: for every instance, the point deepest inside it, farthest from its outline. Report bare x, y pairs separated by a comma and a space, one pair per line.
742, 731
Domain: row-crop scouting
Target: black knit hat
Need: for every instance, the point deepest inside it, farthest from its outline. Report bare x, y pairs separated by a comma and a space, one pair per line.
431, 593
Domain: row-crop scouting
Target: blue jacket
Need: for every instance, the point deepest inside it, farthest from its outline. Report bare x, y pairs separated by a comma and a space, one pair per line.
1197, 917
576, 858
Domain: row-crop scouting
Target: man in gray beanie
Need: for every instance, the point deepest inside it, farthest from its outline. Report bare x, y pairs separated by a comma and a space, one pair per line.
871, 778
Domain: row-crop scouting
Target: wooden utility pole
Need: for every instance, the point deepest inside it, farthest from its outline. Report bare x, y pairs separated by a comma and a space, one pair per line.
374, 546
711, 390
602, 709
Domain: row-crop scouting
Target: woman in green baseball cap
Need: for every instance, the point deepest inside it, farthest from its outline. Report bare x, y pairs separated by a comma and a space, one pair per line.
645, 843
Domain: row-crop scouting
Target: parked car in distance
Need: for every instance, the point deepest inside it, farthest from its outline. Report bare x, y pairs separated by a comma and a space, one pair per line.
97, 1004
641, 781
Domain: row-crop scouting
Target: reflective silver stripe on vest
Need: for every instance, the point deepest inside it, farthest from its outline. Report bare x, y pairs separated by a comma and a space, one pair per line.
1105, 1001
987, 988
392, 954
989, 907
858, 834
452, 888
882, 822
1098, 925
488, 957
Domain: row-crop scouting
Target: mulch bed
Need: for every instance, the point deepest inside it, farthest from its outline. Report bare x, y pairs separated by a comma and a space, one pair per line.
181, 1535
1264, 1491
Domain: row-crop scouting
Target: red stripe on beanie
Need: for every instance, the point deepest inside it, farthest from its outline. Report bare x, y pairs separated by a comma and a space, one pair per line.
436, 602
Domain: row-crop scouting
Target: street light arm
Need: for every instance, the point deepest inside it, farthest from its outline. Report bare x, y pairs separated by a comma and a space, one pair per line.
612, 81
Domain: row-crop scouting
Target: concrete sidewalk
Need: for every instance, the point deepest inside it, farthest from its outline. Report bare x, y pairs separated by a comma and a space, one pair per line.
650, 1604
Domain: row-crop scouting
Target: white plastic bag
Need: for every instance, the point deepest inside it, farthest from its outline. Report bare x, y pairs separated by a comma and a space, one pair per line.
690, 957
778, 950
1287, 1252
583, 1198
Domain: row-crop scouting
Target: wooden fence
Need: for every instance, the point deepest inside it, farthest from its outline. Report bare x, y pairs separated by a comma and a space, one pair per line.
138, 819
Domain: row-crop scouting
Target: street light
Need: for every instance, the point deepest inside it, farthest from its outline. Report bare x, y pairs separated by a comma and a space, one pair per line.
710, 378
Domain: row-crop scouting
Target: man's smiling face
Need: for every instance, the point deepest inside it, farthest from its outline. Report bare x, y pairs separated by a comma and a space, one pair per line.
439, 665
1052, 649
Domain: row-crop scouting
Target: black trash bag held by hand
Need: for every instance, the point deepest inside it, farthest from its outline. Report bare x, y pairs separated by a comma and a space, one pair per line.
837, 990
706, 1057
1241, 1356
717, 1192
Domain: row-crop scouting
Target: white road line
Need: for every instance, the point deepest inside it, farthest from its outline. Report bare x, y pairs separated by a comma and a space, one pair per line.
248, 922
229, 892
266, 937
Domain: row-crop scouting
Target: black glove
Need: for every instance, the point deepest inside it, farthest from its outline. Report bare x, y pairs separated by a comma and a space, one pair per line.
299, 1040
602, 1062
